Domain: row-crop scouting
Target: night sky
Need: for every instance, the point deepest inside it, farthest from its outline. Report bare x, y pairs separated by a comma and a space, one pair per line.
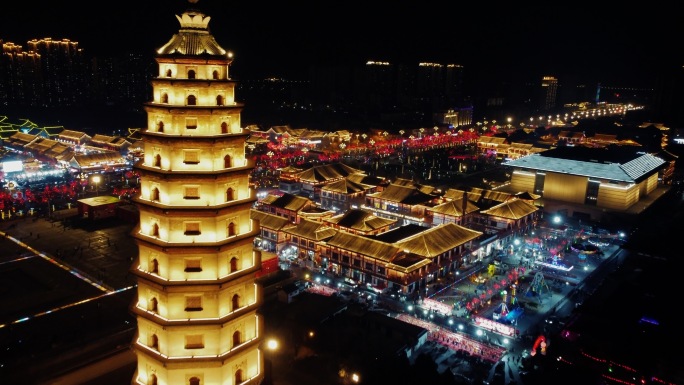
615, 45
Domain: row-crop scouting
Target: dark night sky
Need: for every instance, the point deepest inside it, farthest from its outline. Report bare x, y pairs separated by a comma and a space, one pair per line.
616, 45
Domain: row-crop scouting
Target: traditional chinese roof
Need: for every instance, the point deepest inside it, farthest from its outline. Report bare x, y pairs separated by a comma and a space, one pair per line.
103, 139
312, 134
438, 240
365, 246
289, 170
193, 38
402, 194
404, 182
287, 201
41, 145
345, 186
98, 158
513, 209
526, 195
268, 220
327, 172
366, 179
73, 135
311, 230
454, 208
407, 263
60, 152
361, 220
21, 139
498, 196
53, 131
491, 139
399, 234
622, 164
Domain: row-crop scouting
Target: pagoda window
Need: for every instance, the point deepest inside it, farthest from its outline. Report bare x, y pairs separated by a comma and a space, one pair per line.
192, 228
236, 338
155, 266
192, 74
233, 264
153, 306
155, 195
193, 303
160, 126
193, 265
153, 379
227, 161
224, 128
165, 98
157, 160
191, 192
192, 100
219, 100
232, 229
169, 73
230, 194
215, 75
191, 123
235, 302
154, 342
194, 381
194, 341
155, 230
191, 157
238, 376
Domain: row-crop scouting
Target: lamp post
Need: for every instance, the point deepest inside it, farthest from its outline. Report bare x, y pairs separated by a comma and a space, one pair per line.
271, 347
96, 180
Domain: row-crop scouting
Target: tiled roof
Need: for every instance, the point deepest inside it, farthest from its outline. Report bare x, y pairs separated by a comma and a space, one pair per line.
621, 167
327, 172
402, 194
345, 186
454, 208
361, 220
287, 201
268, 220
438, 240
513, 209
311, 230
364, 246
71, 134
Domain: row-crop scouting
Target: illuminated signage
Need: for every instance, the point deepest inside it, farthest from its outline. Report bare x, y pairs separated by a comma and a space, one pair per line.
494, 326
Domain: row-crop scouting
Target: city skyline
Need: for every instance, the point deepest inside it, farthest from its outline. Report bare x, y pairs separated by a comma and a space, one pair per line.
580, 44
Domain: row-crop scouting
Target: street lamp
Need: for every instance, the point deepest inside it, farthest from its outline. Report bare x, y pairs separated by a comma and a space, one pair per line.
272, 344
96, 180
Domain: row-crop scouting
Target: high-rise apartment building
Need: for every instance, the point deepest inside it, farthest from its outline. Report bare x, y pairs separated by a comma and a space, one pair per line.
197, 298
549, 92
20, 76
63, 70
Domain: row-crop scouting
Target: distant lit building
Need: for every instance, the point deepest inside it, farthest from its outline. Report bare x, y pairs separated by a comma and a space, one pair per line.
549, 93
63, 71
197, 295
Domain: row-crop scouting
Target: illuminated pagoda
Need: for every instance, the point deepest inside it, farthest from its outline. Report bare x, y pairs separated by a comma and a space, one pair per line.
197, 298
